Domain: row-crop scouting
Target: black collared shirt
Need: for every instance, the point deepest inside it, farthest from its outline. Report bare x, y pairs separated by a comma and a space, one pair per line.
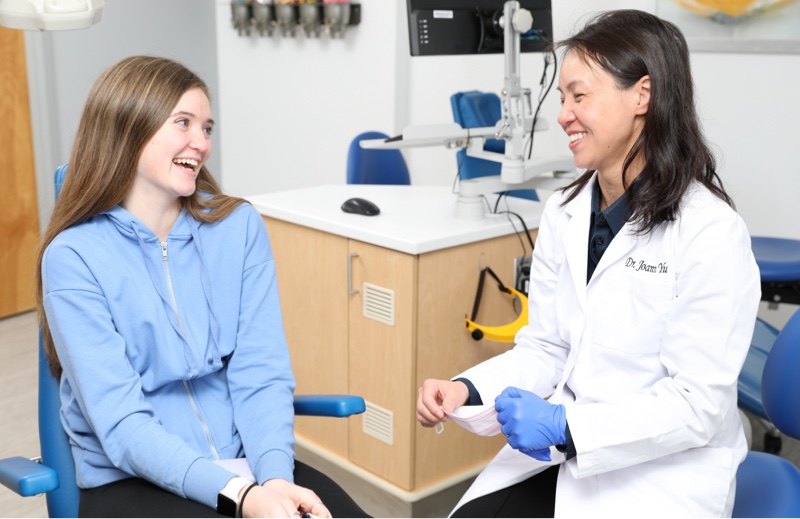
604, 225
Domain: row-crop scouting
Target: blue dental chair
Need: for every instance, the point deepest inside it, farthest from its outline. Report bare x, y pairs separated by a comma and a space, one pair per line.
375, 166
767, 485
779, 262
474, 109
55, 475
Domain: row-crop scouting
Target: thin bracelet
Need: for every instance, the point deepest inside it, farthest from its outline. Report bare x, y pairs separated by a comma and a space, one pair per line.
240, 506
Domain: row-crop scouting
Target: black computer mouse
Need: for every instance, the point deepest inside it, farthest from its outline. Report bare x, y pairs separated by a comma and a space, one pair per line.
360, 206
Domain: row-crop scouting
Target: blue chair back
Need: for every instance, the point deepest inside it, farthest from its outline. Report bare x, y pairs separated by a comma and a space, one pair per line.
54, 444
780, 385
375, 166
749, 386
474, 109
53, 439
58, 178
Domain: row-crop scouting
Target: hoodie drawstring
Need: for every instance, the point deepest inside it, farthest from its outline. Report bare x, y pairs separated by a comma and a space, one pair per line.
205, 281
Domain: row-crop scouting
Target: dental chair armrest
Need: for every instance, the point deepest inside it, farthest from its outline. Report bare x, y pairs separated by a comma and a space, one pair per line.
27, 477
328, 405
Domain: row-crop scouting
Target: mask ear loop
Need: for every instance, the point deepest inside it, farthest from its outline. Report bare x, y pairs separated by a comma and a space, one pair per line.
439, 428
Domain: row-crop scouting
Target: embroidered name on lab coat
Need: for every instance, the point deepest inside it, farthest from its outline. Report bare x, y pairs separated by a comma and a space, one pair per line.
642, 266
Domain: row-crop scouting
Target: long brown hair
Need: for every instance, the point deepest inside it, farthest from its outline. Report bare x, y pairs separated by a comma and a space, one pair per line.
631, 44
127, 105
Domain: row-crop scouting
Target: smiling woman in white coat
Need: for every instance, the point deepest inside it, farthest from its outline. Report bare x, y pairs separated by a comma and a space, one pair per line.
619, 397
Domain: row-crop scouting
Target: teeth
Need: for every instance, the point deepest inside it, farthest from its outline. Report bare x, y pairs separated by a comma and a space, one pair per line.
187, 162
577, 136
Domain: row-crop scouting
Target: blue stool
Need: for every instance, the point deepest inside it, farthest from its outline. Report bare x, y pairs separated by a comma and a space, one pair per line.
779, 262
767, 485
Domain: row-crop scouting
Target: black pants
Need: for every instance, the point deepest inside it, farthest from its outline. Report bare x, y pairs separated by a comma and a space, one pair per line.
136, 497
534, 497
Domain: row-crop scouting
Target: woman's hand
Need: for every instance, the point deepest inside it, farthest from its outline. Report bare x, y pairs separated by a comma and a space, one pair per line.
531, 424
435, 395
279, 498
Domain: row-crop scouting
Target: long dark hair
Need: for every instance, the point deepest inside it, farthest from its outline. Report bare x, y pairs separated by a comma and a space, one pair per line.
631, 44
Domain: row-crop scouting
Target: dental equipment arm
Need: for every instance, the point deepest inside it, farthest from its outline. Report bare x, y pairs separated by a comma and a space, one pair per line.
515, 126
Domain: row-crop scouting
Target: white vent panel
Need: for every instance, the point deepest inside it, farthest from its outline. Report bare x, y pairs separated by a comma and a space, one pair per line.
378, 303
378, 423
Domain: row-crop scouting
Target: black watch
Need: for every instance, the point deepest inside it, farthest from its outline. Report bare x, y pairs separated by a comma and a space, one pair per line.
228, 498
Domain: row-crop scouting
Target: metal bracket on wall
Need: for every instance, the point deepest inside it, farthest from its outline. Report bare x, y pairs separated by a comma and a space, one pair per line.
286, 18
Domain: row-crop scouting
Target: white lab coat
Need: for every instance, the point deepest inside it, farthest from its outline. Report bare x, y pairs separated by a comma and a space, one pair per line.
645, 359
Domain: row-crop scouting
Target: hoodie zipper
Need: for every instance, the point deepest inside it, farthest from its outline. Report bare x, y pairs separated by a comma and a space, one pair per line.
183, 332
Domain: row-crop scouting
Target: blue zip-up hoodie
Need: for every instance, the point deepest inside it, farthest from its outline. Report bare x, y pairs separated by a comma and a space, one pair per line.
173, 353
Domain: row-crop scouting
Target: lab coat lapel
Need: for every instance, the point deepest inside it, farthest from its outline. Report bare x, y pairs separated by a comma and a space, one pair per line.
576, 240
620, 246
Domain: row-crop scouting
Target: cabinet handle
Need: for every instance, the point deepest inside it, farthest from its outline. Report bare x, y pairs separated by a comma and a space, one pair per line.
350, 290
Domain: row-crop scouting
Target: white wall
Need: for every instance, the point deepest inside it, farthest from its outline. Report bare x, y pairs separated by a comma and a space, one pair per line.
291, 106
751, 118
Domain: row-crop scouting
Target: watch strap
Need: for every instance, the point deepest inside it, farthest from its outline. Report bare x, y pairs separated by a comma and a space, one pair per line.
240, 506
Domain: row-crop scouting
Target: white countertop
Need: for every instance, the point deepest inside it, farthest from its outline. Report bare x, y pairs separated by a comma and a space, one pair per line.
413, 219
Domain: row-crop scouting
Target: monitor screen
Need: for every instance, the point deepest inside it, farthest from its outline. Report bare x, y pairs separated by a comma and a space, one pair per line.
445, 27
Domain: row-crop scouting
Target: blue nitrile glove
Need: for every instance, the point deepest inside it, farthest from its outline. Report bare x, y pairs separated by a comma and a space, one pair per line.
531, 424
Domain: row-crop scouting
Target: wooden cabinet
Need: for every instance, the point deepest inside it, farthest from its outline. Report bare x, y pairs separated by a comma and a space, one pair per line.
19, 218
414, 330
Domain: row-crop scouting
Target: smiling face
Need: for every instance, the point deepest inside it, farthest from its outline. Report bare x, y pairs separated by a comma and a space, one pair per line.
171, 159
601, 120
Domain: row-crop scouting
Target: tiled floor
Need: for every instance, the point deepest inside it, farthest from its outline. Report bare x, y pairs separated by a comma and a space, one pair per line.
18, 422
18, 349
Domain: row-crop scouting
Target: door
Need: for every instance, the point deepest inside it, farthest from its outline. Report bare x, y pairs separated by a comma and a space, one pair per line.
382, 325
19, 216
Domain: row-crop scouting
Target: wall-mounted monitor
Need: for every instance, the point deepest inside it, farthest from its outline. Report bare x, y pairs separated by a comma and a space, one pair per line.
451, 27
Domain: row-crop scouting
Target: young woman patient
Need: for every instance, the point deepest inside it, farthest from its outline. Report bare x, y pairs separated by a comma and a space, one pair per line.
160, 310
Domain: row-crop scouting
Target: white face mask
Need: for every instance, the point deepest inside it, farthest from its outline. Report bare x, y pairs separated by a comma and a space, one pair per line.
479, 419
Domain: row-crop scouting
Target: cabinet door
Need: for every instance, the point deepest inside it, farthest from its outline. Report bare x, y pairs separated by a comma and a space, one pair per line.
311, 269
19, 218
382, 362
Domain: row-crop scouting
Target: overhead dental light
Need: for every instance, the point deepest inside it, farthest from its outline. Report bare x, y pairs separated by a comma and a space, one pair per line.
50, 15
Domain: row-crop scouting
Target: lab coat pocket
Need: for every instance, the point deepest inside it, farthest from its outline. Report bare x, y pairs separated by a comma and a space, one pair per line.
631, 317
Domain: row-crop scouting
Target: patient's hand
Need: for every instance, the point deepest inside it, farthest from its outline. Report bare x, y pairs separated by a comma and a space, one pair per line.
435, 395
279, 498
